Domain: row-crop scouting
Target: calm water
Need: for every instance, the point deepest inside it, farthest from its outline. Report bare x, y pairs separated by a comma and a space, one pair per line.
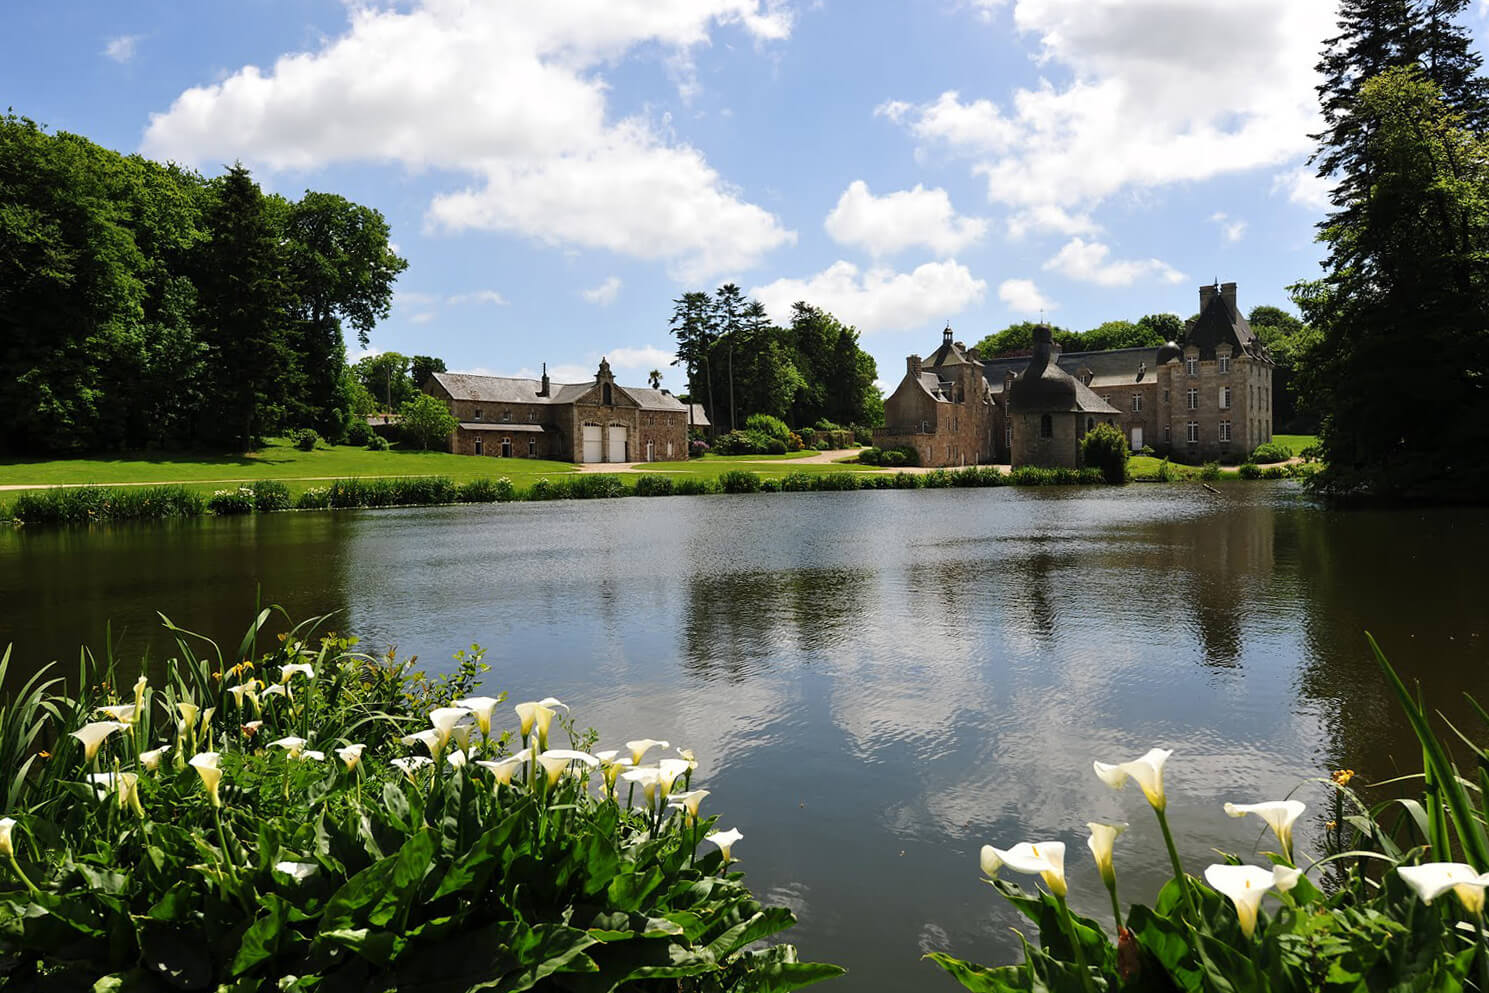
876, 683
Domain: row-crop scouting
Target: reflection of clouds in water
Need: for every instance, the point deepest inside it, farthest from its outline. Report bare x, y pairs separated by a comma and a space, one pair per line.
933, 938
792, 896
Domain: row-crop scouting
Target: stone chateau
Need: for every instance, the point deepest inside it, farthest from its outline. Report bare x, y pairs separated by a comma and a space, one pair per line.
1208, 397
598, 421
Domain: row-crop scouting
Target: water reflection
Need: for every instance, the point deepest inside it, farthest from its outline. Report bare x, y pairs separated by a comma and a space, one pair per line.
877, 683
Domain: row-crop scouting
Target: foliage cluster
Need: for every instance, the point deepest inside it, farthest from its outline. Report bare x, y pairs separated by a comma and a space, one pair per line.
426, 422
305, 439
1270, 451
144, 305
97, 504
1371, 914
1104, 448
749, 442
312, 818
890, 457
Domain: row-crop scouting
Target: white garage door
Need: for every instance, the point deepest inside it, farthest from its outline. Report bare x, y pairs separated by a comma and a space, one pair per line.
592, 450
1137, 438
617, 444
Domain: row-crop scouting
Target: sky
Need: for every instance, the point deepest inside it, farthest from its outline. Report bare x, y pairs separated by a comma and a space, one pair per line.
557, 172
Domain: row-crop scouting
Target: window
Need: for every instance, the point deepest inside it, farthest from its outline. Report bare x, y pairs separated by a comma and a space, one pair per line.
1225, 430
478, 413
480, 447
1165, 396
1046, 426
532, 446
506, 448
1191, 366
1137, 403
1225, 398
1168, 432
1106, 398
532, 416
1191, 399
506, 417
605, 397
1193, 432
1008, 434
1224, 363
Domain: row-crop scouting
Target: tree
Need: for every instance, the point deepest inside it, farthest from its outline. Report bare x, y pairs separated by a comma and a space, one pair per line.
386, 376
1162, 328
1403, 309
421, 367
242, 299
1288, 341
655, 379
1018, 339
692, 326
425, 420
728, 314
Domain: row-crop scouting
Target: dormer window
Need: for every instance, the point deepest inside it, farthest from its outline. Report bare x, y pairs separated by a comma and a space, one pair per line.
1224, 363
478, 414
1191, 366
506, 417
1086, 376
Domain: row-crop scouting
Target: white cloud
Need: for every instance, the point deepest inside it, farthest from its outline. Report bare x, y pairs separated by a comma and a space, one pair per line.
604, 294
903, 219
878, 299
1049, 217
423, 318
122, 48
1303, 187
1149, 93
477, 296
510, 95
1087, 262
1233, 228
1023, 297
645, 358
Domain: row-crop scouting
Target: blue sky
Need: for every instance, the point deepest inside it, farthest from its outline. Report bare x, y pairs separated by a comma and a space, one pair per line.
556, 173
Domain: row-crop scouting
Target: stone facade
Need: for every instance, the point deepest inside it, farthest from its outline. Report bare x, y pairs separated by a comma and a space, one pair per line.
1147, 389
943, 409
599, 421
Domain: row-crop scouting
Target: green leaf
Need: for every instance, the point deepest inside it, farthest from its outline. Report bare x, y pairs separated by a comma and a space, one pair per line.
470, 872
264, 937
982, 979
175, 953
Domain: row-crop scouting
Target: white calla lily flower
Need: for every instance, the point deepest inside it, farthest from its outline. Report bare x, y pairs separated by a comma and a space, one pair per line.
641, 746
298, 871
505, 769
1045, 859
124, 713
429, 738
1278, 815
538, 715
1285, 877
412, 764
249, 689
92, 736
480, 708
310, 755
443, 720
689, 802
1148, 771
726, 841
556, 761
989, 861
151, 760
292, 745
646, 777
140, 685
188, 712
1103, 838
205, 764
295, 669
351, 755
1432, 879
612, 764
668, 772
7, 844
1245, 885
275, 690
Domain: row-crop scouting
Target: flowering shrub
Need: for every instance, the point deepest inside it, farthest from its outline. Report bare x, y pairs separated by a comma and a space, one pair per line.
238, 500
1384, 919
317, 819
697, 448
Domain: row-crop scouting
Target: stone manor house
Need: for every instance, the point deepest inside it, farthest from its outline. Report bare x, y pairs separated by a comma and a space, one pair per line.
1208, 397
598, 421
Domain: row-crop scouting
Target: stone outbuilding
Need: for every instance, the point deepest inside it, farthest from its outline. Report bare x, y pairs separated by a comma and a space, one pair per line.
598, 421
1050, 411
943, 408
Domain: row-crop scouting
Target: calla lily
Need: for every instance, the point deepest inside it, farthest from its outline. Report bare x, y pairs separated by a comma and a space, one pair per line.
276, 690
688, 757
1245, 885
122, 712
250, 690
429, 737
1045, 859
612, 763
291, 745
252, 728
989, 860
646, 776
125, 784
668, 771
1103, 837
205, 764
93, 735
480, 708
1432, 879
505, 769
557, 760
444, 720
537, 714
298, 871
412, 764
1148, 771
726, 841
1285, 877
188, 712
7, 846
641, 746
140, 685
293, 668
1279, 815
690, 802
151, 759
310, 755
351, 755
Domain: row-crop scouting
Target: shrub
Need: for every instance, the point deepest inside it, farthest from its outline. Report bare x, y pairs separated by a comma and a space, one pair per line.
768, 425
808, 437
279, 873
823, 424
1270, 451
936, 479
1312, 453
314, 498
739, 481
694, 487
648, 486
871, 456
770, 485
88, 504
794, 442
874, 481
270, 495
1147, 450
863, 435
1250, 470
426, 422
893, 457
595, 486
835, 481
1276, 472
305, 439
796, 482
1105, 449
907, 481
1210, 472
358, 432
1166, 472
377, 443
697, 448
978, 475
486, 491
238, 500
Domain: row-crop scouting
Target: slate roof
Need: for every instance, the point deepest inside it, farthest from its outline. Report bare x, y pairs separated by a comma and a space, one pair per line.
698, 416
1222, 323
650, 399
499, 426
502, 389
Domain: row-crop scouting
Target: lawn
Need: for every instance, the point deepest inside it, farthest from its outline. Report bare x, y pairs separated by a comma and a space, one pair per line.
805, 452
1297, 442
709, 468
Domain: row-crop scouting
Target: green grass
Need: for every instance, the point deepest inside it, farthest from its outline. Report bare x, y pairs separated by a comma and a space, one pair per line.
276, 460
709, 468
805, 452
1297, 442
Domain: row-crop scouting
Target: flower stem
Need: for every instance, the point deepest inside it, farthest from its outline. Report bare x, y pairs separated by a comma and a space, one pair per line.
1173, 856
16, 868
1483, 952
1116, 907
1075, 944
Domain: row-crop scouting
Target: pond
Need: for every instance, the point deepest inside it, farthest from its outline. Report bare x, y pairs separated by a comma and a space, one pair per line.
876, 683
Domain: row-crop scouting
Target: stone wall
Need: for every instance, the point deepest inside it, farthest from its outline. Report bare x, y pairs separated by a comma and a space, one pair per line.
1061, 449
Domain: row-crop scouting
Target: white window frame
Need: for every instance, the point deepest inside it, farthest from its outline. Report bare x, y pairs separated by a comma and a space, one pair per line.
1224, 362
1191, 367
1225, 398
1191, 399
1225, 431
477, 414
1137, 403
507, 416
1191, 432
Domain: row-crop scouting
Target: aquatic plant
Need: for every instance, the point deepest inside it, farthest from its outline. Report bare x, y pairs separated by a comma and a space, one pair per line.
200, 838
1367, 919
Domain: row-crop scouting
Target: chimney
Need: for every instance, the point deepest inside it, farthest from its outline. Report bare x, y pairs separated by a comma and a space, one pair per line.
1043, 351
946, 335
1228, 291
1206, 294
912, 365
544, 391
961, 347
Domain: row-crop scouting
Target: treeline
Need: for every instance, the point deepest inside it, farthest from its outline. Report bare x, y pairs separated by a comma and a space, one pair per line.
147, 306
738, 363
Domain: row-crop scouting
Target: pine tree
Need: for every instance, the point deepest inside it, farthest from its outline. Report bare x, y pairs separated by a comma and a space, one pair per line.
692, 326
728, 314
